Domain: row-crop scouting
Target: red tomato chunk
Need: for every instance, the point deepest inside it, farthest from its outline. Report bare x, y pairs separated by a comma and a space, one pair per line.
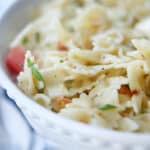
15, 60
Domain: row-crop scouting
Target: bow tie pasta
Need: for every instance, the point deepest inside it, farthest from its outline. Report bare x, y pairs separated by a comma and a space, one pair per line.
89, 60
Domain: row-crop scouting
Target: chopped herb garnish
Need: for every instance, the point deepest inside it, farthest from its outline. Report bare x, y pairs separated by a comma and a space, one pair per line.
25, 40
35, 72
30, 63
61, 61
48, 45
71, 29
107, 107
37, 37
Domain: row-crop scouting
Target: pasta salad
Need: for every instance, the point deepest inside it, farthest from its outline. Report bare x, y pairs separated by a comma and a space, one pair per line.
88, 60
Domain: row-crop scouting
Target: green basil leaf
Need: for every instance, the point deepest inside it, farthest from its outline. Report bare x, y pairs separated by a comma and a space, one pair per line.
107, 107
37, 74
48, 45
37, 37
61, 61
25, 40
29, 63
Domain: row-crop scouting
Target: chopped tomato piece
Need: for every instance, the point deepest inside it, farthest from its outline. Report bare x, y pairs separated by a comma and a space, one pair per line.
61, 46
60, 102
135, 92
128, 112
124, 89
15, 60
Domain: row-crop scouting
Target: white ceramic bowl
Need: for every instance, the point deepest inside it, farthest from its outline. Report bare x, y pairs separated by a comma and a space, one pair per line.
68, 134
